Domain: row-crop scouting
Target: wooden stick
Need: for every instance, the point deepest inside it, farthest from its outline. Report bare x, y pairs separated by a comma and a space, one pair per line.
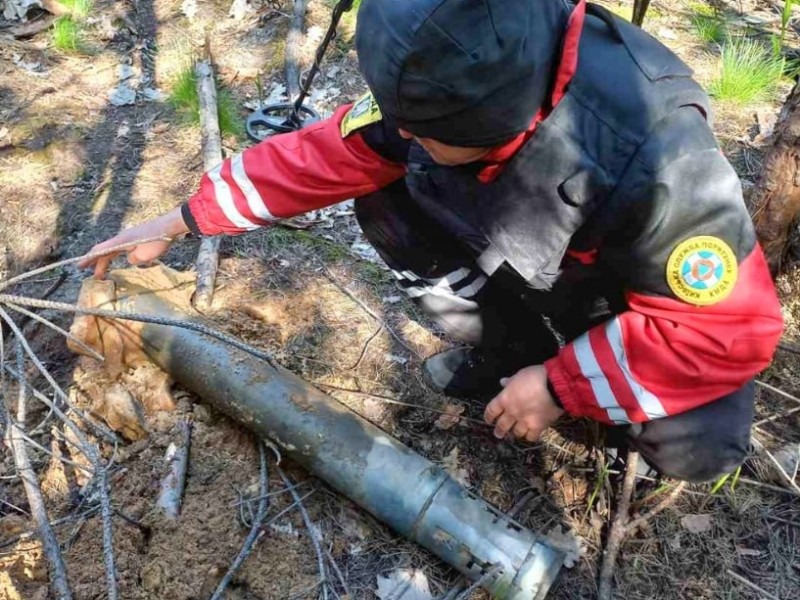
618, 529
255, 529
172, 486
752, 586
58, 567
294, 44
794, 488
780, 392
208, 256
312, 532
665, 502
776, 416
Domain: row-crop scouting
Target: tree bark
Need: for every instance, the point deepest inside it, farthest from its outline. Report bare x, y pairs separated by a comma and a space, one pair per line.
208, 255
775, 203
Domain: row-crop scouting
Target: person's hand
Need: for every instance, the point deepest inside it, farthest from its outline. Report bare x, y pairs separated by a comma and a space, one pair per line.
524, 407
167, 226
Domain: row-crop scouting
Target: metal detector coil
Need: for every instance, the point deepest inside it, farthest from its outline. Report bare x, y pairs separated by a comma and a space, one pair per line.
292, 116
279, 118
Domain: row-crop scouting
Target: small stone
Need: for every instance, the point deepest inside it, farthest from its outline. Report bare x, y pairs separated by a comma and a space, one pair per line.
152, 94
122, 95
202, 413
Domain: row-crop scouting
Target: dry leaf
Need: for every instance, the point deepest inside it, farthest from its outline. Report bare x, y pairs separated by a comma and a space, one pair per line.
567, 542
696, 523
450, 463
450, 417
404, 584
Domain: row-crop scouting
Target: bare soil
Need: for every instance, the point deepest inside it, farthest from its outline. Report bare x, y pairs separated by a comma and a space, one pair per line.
75, 169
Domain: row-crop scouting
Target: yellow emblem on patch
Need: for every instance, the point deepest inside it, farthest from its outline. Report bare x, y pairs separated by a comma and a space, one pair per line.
702, 270
364, 112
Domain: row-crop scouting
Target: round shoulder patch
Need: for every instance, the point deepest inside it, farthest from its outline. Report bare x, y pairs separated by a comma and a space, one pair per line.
702, 270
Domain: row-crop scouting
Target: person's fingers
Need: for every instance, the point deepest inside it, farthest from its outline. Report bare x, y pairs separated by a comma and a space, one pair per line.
493, 410
503, 426
101, 266
519, 430
504, 381
532, 435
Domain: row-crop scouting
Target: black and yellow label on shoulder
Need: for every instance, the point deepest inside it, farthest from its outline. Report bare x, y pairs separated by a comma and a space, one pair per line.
364, 112
702, 270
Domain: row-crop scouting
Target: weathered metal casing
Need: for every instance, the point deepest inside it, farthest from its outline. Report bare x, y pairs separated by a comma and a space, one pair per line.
398, 486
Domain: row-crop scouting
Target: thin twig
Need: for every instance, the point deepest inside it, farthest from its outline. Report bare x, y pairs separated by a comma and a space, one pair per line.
312, 532
39, 319
143, 318
255, 530
21, 537
269, 495
665, 502
102, 431
366, 347
792, 483
752, 585
108, 538
778, 391
618, 530
776, 416
369, 311
766, 486
338, 572
38, 446
389, 400
30, 482
28, 274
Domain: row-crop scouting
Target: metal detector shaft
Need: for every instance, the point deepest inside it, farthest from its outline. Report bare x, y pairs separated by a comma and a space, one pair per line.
398, 486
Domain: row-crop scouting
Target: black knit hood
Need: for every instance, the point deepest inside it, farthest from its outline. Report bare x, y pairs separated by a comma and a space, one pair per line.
463, 72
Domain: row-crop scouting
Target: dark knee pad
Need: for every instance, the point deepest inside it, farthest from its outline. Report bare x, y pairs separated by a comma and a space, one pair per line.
702, 444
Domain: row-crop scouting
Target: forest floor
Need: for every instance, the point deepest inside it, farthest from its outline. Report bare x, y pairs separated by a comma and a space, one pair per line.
75, 168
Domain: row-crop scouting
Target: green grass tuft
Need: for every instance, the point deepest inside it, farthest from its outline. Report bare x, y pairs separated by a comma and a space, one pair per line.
67, 35
709, 28
79, 9
185, 100
748, 72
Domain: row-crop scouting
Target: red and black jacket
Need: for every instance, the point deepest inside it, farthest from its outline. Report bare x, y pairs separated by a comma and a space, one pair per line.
657, 209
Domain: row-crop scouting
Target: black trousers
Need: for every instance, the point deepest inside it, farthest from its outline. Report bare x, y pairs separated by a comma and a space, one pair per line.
437, 260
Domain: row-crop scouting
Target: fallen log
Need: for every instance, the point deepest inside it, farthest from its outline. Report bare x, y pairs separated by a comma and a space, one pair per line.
398, 486
208, 255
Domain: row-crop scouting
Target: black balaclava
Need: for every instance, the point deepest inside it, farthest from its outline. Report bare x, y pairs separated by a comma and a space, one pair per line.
462, 72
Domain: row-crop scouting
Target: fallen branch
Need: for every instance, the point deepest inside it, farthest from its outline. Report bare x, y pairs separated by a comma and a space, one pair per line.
256, 528
87, 449
312, 532
618, 528
208, 255
58, 568
172, 486
294, 44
